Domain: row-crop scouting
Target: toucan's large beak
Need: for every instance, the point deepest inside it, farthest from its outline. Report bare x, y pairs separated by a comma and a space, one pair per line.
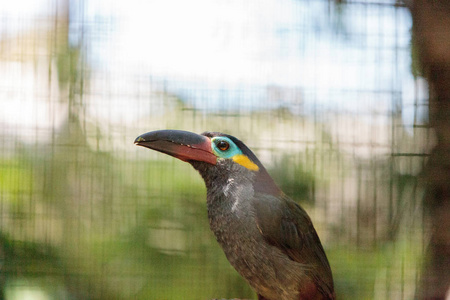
184, 145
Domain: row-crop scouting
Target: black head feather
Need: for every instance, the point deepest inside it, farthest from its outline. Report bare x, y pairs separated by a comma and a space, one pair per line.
263, 182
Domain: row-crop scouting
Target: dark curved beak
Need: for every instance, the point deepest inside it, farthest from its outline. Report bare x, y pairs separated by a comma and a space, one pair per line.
184, 145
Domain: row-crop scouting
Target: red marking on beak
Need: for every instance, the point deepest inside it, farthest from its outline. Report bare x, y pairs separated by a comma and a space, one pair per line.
184, 145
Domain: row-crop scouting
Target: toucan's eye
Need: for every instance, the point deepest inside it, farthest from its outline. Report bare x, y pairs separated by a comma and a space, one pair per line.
223, 145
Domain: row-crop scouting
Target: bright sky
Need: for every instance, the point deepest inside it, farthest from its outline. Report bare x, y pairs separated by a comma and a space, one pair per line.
338, 63
217, 44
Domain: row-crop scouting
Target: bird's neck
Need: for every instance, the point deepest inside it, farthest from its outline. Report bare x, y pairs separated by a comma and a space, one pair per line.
219, 175
228, 185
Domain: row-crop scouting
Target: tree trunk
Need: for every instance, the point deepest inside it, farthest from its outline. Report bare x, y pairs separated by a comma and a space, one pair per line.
431, 25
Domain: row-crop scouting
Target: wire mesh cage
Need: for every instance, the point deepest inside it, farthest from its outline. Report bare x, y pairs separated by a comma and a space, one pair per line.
326, 93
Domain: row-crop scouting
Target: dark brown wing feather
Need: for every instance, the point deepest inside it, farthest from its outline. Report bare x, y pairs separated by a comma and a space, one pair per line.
284, 224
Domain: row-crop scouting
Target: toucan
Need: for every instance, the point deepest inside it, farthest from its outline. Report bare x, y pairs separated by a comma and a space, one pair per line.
267, 237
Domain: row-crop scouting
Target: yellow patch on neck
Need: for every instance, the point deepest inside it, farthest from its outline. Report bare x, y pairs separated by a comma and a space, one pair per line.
243, 160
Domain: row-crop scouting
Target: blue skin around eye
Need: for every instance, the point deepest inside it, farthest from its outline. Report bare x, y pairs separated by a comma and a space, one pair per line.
229, 153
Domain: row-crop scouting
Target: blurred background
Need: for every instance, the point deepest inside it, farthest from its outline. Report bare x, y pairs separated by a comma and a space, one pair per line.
328, 94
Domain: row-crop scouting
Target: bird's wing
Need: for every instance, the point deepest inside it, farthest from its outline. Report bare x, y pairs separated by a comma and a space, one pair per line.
284, 224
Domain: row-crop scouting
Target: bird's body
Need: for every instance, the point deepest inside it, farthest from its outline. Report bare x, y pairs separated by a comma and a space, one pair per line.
267, 237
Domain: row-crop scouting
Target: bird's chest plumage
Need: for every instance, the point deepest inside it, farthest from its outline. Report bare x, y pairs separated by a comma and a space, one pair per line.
231, 210
232, 221
237, 234
230, 214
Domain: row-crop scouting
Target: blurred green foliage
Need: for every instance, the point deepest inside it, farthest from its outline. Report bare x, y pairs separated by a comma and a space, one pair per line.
124, 229
160, 246
294, 180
